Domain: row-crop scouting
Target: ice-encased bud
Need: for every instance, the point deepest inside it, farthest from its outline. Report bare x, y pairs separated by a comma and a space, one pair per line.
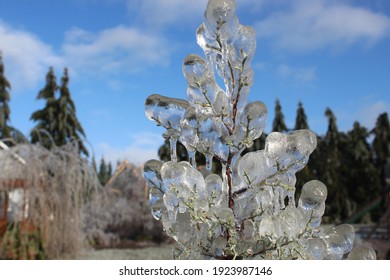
152, 173
195, 69
245, 43
362, 253
156, 203
180, 228
253, 121
292, 150
317, 248
172, 174
153, 178
275, 145
214, 186
221, 105
218, 246
167, 112
189, 137
301, 143
340, 240
219, 12
292, 221
312, 195
254, 168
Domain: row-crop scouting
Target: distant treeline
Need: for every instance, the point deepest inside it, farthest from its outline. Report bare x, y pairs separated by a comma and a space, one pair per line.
353, 169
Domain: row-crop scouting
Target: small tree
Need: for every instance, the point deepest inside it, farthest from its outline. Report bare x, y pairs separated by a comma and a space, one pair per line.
249, 211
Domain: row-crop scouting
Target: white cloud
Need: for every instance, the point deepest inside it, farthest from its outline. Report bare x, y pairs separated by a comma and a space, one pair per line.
310, 25
115, 49
143, 147
297, 74
26, 57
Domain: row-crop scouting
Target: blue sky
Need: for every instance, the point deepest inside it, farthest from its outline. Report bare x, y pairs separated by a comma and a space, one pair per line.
325, 53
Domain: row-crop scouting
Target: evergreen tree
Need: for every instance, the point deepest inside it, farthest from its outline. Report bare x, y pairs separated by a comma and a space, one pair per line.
5, 87
102, 175
360, 174
57, 123
301, 119
329, 171
45, 132
381, 145
109, 171
278, 124
69, 128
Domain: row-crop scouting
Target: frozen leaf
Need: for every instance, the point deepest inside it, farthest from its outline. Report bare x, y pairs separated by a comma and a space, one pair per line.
221, 17
152, 174
214, 188
245, 43
166, 112
253, 121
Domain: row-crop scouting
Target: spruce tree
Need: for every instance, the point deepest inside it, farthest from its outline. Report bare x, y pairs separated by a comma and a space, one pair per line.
69, 127
105, 172
307, 173
5, 87
301, 119
381, 145
278, 124
46, 130
359, 172
329, 171
102, 175
57, 123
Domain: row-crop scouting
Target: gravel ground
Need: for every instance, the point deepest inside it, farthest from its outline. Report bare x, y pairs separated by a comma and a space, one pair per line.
163, 252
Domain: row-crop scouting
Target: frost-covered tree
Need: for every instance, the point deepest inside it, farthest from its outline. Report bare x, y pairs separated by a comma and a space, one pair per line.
5, 87
249, 211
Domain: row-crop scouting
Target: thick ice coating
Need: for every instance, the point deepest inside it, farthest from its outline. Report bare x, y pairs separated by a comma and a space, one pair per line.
247, 209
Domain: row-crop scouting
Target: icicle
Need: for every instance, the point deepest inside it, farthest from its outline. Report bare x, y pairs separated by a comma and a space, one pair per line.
173, 143
191, 158
209, 162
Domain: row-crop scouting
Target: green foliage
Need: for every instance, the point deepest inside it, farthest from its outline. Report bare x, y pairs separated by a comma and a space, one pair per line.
301, 119
381, 144
105, 172
278, 124
58, 118
5, 87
